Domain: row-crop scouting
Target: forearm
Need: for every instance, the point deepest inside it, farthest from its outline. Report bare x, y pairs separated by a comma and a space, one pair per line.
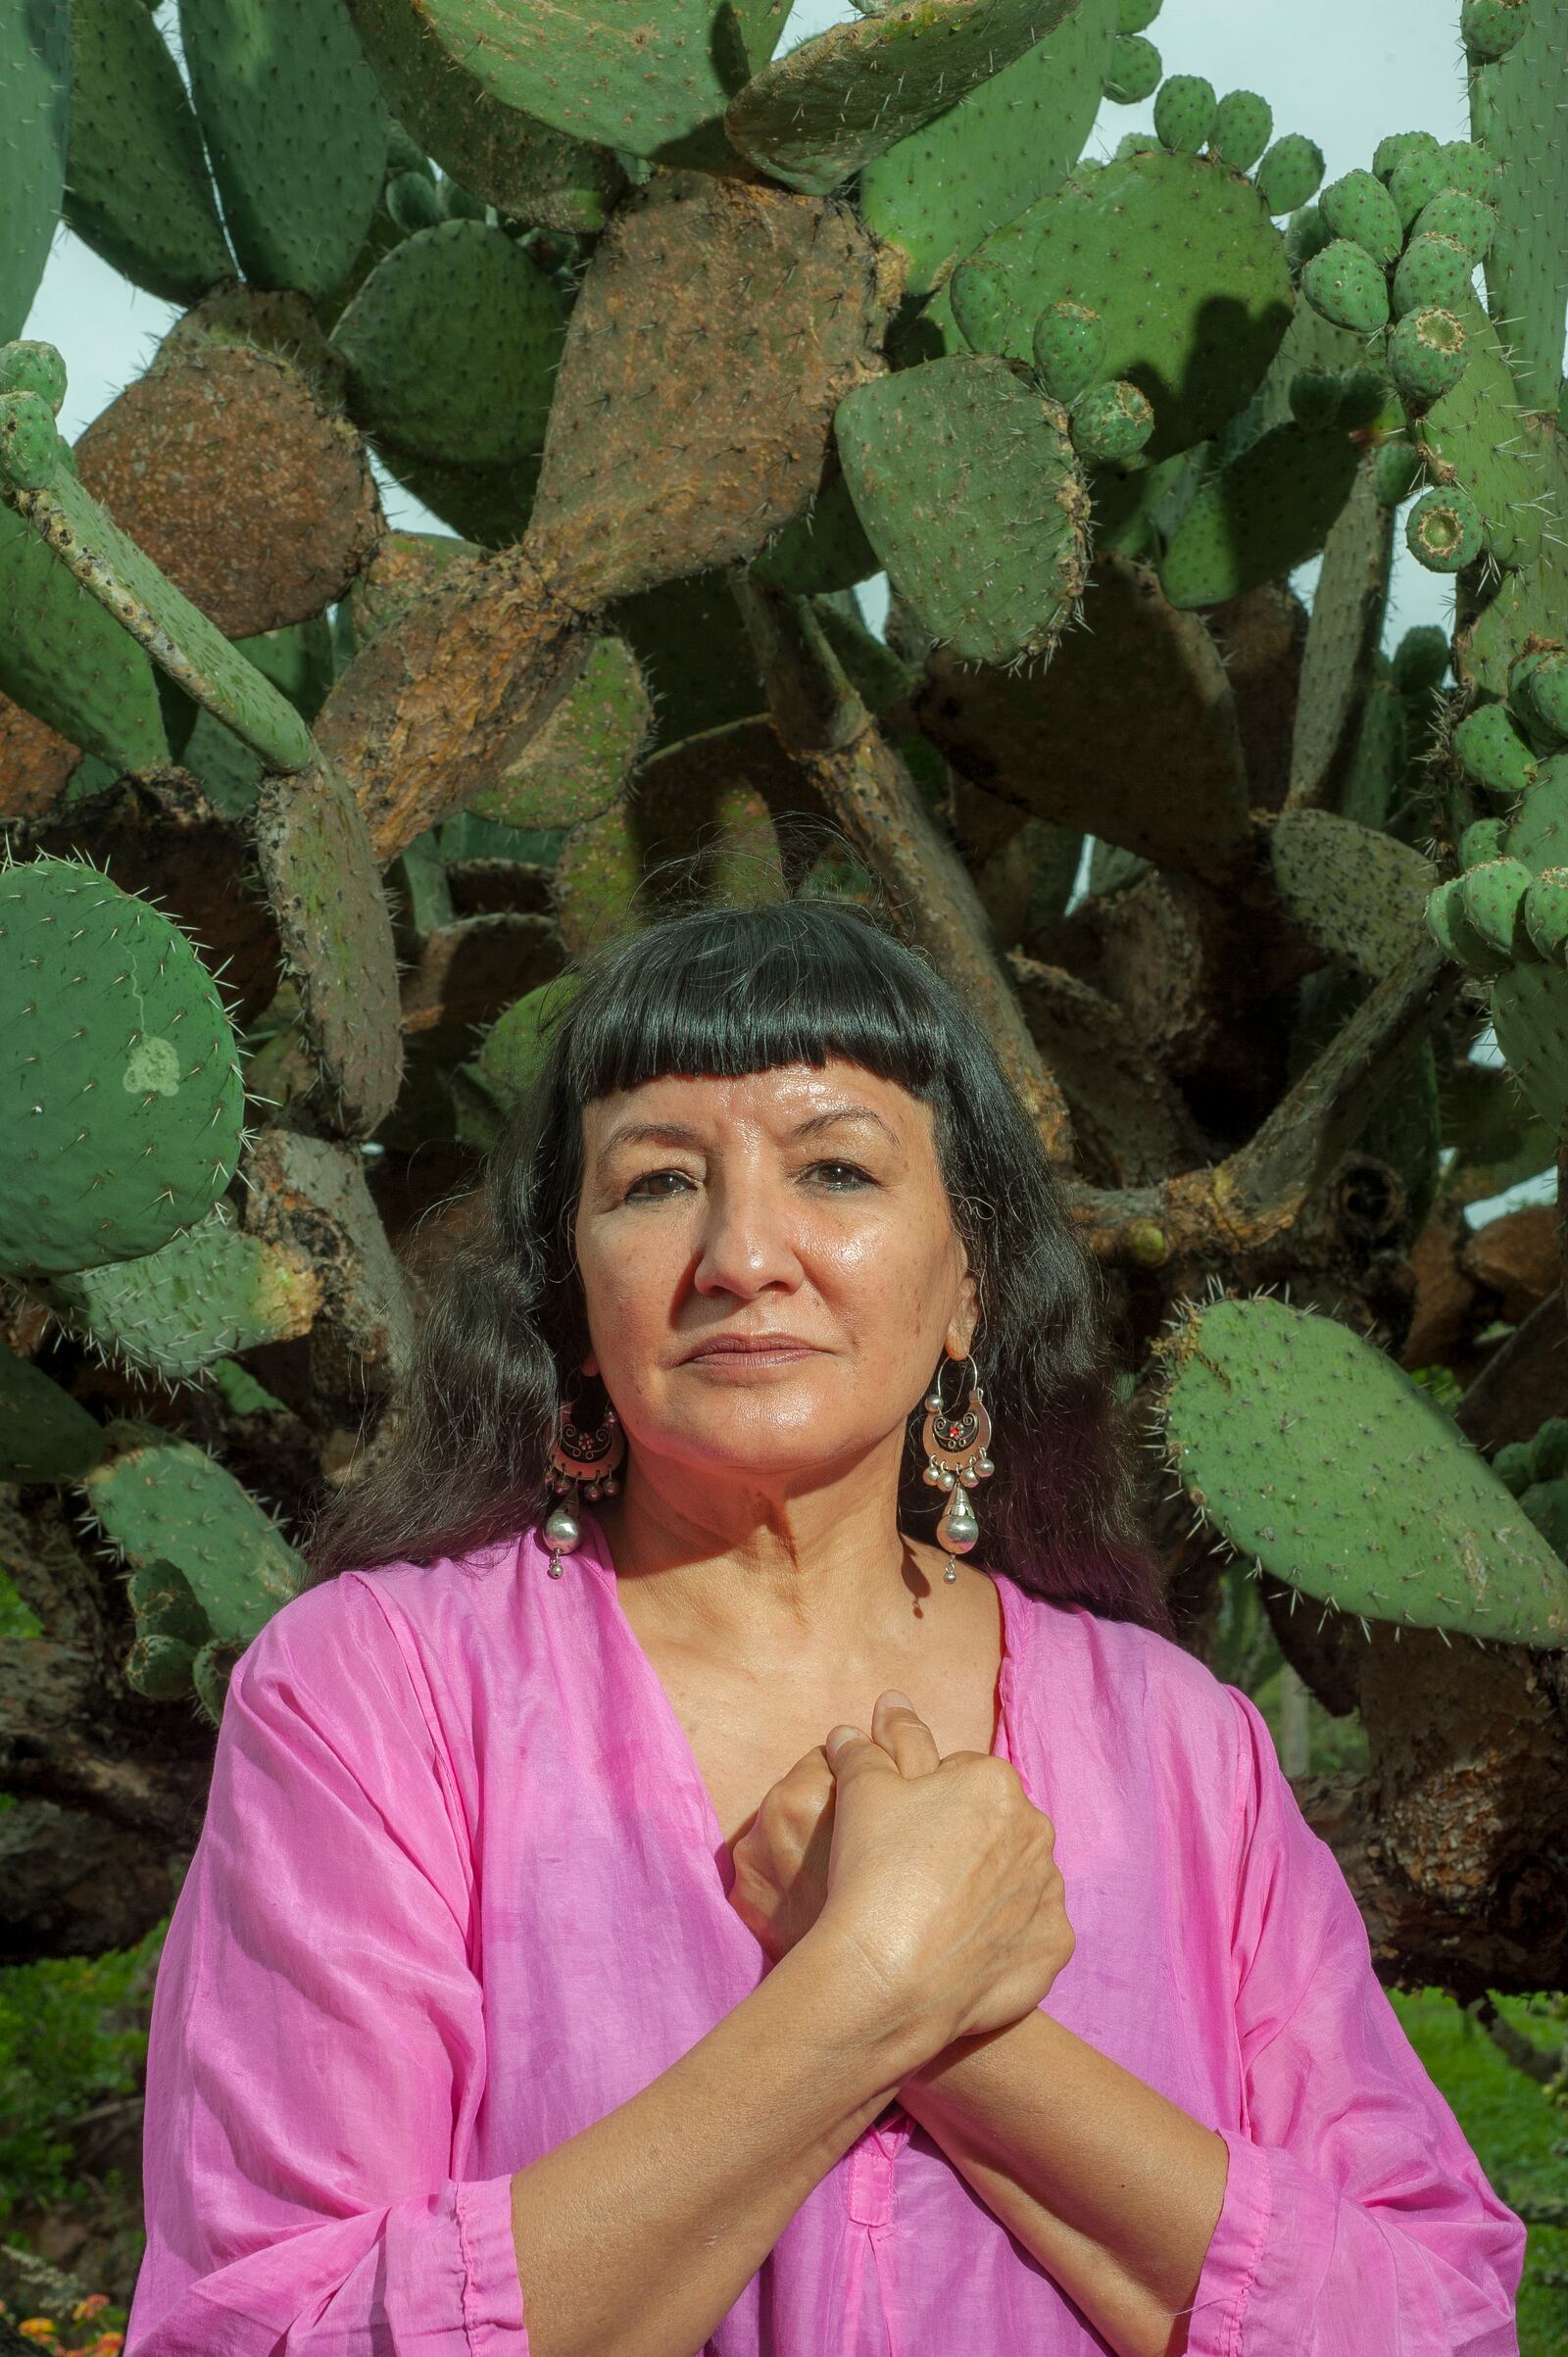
637, 2235
1114, 2189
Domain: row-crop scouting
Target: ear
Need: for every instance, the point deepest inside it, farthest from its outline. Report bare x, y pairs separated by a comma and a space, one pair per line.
966, 1318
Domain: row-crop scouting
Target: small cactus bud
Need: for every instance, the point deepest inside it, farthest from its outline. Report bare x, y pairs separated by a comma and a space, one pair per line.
1421, 174
1291, 174
1537, 685
1131, 143
1492, 753
1070, 348
1136, 15
1455, 213
1396, 471
1365, 394
1358, 207
1444, 529
1398, 144
1432, 269
1111, 421
1243, 123
413, 202
1314, 398
1136, 67
1490, 27
29, 441
1184, 112
1428, 353
31, 366
1345, 286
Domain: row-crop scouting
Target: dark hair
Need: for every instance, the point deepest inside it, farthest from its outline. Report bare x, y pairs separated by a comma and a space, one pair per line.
727, 991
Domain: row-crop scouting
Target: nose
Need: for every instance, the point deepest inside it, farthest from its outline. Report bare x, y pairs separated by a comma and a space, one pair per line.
746, 1238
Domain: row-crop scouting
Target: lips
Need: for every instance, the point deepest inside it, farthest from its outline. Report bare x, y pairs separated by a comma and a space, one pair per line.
762, 1345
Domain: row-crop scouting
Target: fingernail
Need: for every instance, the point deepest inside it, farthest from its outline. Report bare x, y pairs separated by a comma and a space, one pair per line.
893, 1696
836, 1739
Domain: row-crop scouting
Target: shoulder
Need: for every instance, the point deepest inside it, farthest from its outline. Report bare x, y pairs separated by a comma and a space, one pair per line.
1138, 1701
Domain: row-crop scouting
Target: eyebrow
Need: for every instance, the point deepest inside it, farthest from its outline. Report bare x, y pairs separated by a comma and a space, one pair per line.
677, 1133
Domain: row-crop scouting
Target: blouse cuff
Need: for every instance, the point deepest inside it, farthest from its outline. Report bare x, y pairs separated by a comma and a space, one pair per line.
492, 2290
1266, 2260
1235, 2252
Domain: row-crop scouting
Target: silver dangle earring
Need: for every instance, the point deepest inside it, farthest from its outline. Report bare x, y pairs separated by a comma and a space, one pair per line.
586, 1454
955, 1460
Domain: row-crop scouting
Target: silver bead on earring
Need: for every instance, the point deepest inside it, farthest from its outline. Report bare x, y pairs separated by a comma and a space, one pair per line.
955, 1460
586, 1454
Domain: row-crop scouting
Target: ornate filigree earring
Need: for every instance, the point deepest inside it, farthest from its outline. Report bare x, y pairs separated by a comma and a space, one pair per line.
955, 1460
580, 1453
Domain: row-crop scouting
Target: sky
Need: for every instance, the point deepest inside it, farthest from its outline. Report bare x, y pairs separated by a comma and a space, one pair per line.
1345, 72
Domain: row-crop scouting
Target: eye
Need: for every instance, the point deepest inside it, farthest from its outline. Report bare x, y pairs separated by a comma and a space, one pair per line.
859, 1176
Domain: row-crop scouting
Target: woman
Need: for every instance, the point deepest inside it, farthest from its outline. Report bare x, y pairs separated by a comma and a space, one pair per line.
715, 1916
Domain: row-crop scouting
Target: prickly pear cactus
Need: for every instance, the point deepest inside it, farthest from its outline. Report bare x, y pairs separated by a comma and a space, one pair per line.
683, 343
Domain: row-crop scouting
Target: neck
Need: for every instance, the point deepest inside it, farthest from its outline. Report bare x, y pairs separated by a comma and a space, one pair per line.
750, 1577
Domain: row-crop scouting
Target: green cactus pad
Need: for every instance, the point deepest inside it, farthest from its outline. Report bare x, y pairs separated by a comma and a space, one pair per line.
1420, 662
1474, 434
965, 483
296, 128
1444, 530
1358, 895
28, 366
178, 635
1492, 753
1133, 72
1529, 1018
717, 329
1396, 472
1432, 269
30, 442
1069, 349
137, 190
1518, 108
35, 48
1358, 206
165, 1605
939, 191
1268, 510
581, 760
452, 344
44, 1434
159, 1667
1539, 686
1196, 336
604, 882
1421, 173
1317, 1455
1242, 125
206, 1293
1469, 221
1428, 353
1185, 108
1546, 913
160, 1500
835, 101
125, 1103
1110, 421
324, 885
67, 661
1290, 173
524, 168
1490, 27
1344, 282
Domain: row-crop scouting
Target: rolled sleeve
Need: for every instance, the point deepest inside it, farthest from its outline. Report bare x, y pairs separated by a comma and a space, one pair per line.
1355, 2215
316, 2052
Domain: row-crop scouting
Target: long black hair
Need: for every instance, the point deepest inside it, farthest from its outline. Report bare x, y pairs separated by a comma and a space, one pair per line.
726, 991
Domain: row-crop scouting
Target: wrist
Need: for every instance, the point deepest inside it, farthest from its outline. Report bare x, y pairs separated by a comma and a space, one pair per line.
893, 2034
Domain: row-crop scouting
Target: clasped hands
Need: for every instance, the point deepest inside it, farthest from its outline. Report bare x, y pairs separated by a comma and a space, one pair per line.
947, 1856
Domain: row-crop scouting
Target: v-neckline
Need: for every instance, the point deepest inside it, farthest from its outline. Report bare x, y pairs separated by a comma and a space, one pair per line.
677, 1743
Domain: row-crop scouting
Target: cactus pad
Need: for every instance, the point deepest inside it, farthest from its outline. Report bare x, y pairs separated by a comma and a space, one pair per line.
965, 483
1196, 355
1317, 1457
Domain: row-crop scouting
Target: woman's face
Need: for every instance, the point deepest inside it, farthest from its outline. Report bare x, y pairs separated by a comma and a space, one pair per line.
801, 1202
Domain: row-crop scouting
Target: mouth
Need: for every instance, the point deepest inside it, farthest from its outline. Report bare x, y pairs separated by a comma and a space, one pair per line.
772, 1351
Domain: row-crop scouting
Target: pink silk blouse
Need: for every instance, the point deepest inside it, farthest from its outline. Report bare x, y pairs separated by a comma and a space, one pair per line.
460, 1891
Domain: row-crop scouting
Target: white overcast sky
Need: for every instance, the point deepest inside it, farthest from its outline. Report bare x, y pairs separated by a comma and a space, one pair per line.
1345, 72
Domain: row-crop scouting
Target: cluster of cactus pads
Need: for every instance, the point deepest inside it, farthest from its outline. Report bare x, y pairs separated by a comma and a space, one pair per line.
681, 340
